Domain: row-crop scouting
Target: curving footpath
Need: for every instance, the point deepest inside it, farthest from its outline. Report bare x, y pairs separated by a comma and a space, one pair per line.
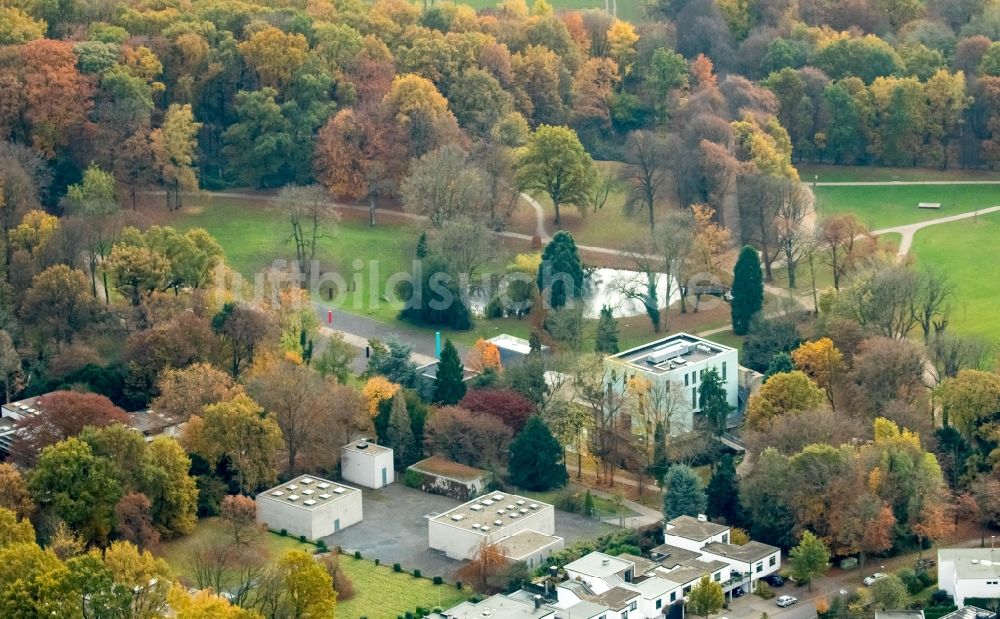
907, 231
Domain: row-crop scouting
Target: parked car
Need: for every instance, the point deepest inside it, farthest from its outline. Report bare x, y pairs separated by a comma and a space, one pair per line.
870, 580
738, 592
775, 580
786, 600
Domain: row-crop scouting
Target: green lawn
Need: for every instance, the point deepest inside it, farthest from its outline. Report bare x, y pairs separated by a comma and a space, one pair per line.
384, 594
842, 174
254, 235
886, 206
380, 593
965, 249
178, 553
608, 226
628, 10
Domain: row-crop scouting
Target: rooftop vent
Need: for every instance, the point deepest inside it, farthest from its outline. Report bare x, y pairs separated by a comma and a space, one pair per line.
487, 502
476, 508
510, 507
324, 496
323, 485
520, 501
533, 506
306, 480
308, 491
703, 348
338, 490
309, 502
523, 510
362, 445
513, 514
702, 518
497, 497
498, 522
22, 407
293, 497
292, 487
458, 517
277, 493
675, 350
475, 525
484, 528
605, 561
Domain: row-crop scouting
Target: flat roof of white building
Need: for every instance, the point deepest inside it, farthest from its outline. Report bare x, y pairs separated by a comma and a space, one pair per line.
972, 563
491, 513
308, 492
671, 353
598, 565
525, 543
693, 529
362, 446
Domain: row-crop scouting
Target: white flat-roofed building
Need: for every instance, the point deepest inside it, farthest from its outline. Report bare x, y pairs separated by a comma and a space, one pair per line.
753, 559
500, 607
367, 464
309, 506
600, 572
460, 532
969, 573
694, 533
675, 367
512, 348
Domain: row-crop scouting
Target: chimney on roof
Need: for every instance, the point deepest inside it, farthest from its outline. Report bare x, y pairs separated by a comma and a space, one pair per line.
538, 602
605, 561
702, 518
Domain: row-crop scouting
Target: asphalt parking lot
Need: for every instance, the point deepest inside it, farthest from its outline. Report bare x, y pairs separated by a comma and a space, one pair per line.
394, 529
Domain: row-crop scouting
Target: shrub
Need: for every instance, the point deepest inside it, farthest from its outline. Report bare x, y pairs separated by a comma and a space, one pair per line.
413, 479
940, 598
321, 544
910, 580
357, 554
378, 562
396, 567
283, 533
926, 578
438, 580
409, 614
416, 573
421, 611
302, 538
764, 591
458, 585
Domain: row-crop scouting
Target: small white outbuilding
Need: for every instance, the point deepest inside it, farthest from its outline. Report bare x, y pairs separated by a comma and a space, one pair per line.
366, 464
309, 506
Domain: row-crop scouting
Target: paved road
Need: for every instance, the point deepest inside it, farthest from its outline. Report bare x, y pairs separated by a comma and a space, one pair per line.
907, 231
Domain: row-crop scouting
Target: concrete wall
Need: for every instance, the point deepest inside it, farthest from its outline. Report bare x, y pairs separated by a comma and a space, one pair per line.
365, 469
446, 486
461, 542
313, 523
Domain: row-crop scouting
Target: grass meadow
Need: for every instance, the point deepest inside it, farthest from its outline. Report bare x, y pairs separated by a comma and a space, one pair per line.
380, 593
886, 206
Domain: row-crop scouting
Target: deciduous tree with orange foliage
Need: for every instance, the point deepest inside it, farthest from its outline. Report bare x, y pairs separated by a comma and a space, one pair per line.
483, 356
56, 97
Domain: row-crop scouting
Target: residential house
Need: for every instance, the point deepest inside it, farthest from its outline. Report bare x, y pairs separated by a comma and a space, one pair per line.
969, 573
675, 366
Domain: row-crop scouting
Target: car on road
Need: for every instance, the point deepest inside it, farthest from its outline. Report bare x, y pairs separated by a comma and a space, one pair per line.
870, 580
775, 580
738, 592
786, 600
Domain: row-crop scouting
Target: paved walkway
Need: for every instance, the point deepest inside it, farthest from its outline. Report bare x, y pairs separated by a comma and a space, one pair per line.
907, 231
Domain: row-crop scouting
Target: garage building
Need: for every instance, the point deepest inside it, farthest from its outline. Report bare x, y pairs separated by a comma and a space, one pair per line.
366, 464
309, 506
460, 532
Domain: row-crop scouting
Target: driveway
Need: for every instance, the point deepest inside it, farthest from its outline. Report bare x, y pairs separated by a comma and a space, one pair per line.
394, 529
